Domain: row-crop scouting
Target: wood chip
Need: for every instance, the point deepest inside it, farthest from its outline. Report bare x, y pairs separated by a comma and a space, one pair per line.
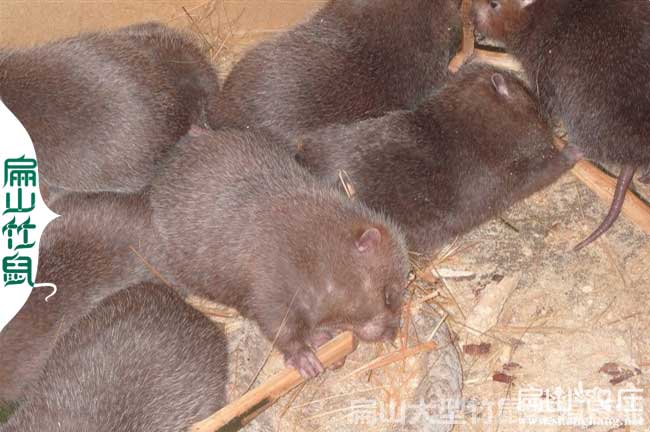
485, 314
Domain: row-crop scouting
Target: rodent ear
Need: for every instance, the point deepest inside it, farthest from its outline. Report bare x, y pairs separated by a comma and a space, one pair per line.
499, 84
369, 240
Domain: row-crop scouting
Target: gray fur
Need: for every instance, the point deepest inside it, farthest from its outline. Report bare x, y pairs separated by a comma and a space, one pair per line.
86, 254
142, 360
243, 224
466, 154
102, 108
352, 60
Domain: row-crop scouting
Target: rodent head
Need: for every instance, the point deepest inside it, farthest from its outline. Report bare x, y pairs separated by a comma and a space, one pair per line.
510, 112
365, 283
518, 112
495, 19
494, 110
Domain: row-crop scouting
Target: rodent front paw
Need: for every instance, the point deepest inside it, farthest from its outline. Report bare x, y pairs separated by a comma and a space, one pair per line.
305, 362
320, 338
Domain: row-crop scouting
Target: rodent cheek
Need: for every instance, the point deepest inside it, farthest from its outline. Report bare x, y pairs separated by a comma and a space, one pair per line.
383, 327
370, 331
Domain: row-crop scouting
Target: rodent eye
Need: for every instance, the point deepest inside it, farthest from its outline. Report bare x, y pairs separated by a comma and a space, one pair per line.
494, 4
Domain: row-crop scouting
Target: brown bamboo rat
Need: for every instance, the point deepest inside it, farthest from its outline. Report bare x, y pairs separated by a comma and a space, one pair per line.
241, 223
86, 253
463, 156
181, 54
102, 108
142, 360
589, 61
352, 60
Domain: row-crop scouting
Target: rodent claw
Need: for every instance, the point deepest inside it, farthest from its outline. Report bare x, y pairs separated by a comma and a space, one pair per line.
306, 363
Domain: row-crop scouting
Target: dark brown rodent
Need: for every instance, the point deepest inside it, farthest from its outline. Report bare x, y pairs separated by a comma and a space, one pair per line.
102, 108
241, 223
85, 252
352, 60
142, 360
589, 62
466, 154
181, 55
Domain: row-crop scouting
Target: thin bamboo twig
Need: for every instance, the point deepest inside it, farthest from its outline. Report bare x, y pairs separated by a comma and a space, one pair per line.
239, 413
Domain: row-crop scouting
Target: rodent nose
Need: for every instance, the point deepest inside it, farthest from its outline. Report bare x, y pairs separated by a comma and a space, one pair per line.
480, 37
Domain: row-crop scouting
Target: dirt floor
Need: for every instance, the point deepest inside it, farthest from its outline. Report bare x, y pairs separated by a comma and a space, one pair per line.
575, 322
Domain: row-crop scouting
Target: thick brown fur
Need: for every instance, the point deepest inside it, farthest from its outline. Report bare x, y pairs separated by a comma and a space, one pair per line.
469, 152
142, 360
589, 62
102, 108
85, 252
353, 59
240, 222
181, 55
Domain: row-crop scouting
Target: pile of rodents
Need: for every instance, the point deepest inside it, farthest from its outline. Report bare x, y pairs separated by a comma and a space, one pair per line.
235, 193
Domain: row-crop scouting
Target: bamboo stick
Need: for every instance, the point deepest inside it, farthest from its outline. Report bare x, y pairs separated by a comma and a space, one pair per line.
497, 59
239, 413
394, 357
467, 42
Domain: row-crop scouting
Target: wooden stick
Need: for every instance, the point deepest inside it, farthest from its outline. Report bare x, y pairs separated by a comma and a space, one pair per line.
467, 42
497, 59
603, 185
209, 308
239, 413
395, 356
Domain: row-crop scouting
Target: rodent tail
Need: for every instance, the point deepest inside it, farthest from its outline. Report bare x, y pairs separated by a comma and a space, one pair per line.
624, 180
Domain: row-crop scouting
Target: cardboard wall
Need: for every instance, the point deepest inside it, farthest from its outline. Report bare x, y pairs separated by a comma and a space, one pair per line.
26, 22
